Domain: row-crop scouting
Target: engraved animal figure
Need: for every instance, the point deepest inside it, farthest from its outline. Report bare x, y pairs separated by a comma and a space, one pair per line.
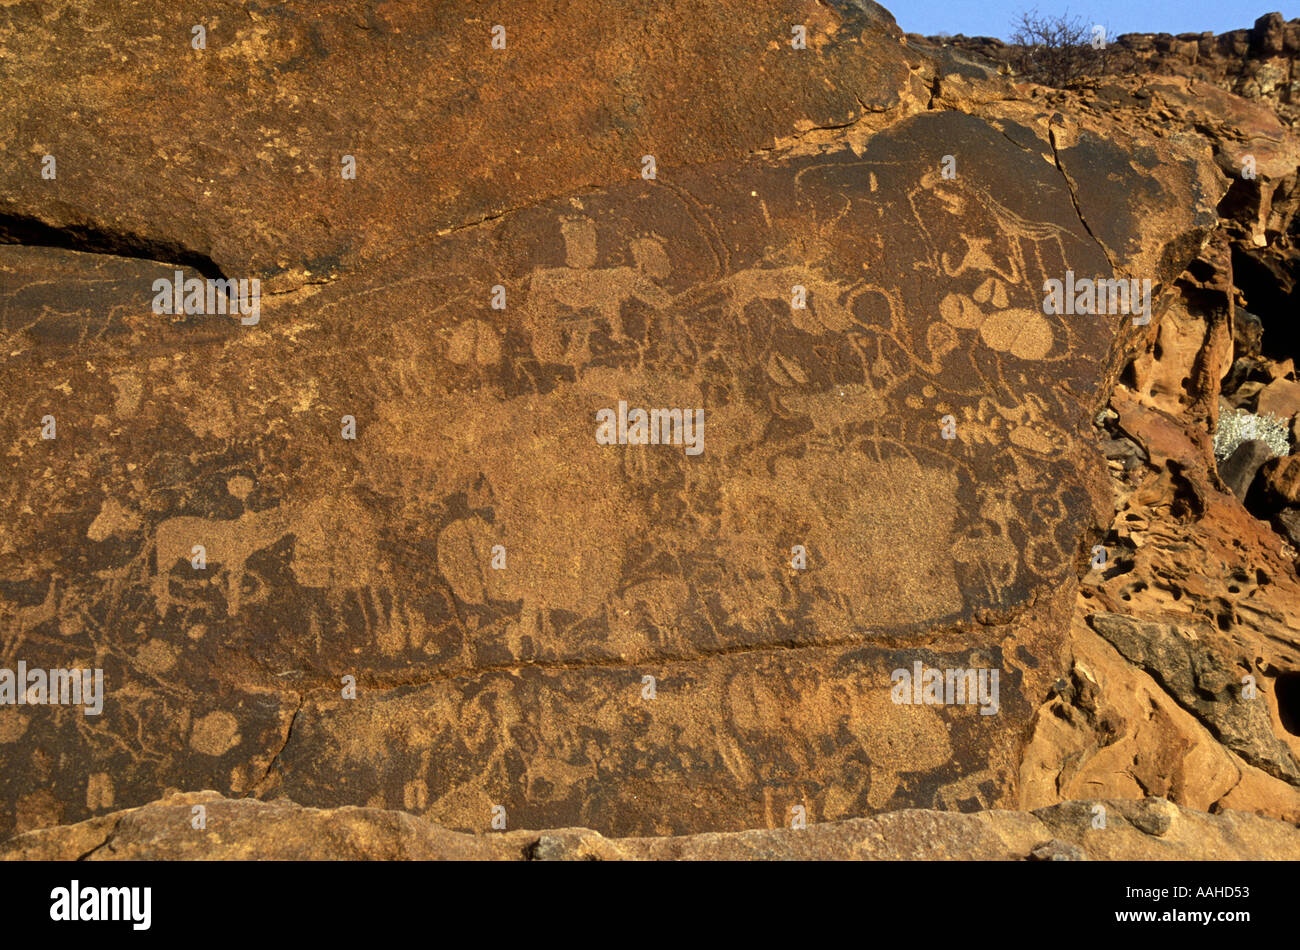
822, 312
952, 796
580, 286
227, 544
334, 546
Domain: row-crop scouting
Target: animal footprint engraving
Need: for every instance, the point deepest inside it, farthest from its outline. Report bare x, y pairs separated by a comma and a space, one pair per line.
1021, 332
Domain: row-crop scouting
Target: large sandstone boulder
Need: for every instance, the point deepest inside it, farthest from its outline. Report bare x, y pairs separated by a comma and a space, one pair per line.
428, 584
522, 686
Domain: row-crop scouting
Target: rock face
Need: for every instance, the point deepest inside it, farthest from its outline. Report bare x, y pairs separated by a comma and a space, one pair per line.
1253, 64
236, 156
1143, 830
396, 537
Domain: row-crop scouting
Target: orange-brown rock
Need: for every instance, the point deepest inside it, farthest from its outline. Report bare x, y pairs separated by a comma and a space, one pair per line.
390, 566
1149, 829
1282, 477
1280, 398
235, 156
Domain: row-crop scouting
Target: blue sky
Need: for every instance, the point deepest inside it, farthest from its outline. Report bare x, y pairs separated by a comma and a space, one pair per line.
994, 17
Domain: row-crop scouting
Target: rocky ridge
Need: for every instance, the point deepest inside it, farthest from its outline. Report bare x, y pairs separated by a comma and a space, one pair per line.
246, 829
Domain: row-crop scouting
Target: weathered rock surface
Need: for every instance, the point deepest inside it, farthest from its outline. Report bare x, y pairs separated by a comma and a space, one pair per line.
330, 559
1150, 829
1238, 470
234, 155
1201, 682
474, 608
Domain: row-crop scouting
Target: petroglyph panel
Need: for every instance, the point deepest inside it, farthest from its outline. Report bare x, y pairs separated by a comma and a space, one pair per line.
731, 743
475, 444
